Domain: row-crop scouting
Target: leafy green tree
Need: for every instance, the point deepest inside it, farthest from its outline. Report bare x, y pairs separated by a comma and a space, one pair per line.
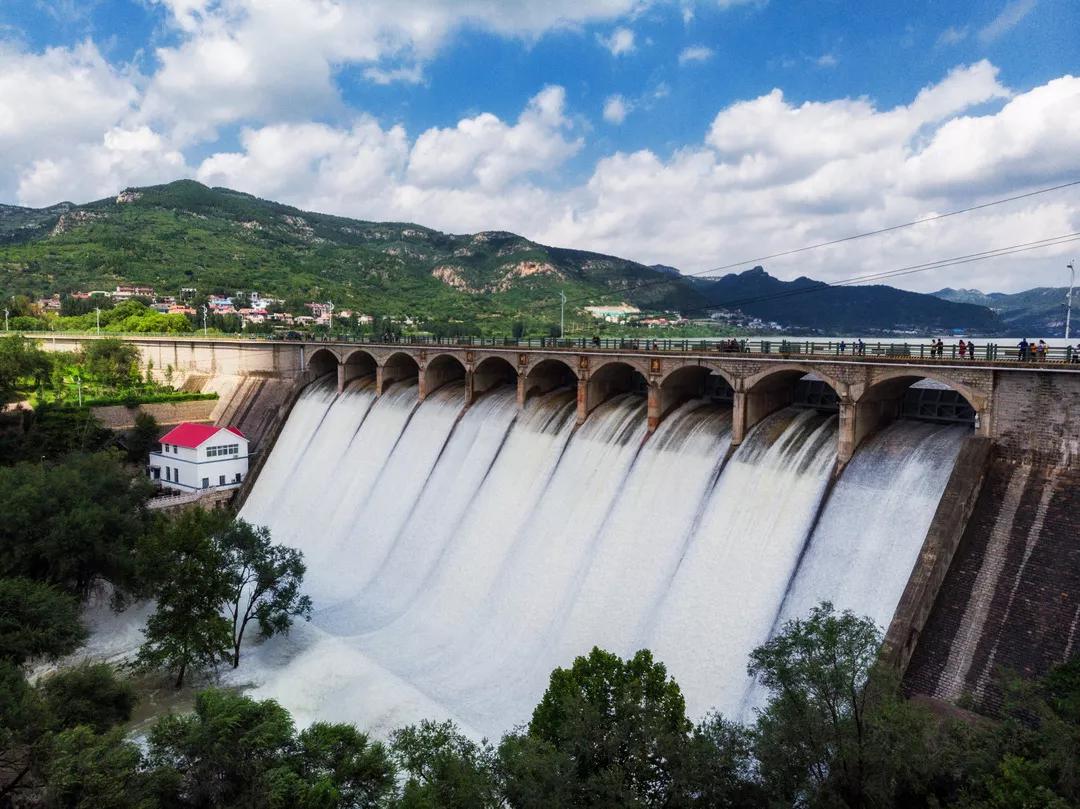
445, 769
340, 766
23, 723
187, 629
717, 769
836, 731
21, 358
143, 437
235, 751
612, 729
264, 582
88, 771
37, 620
88, 694
72, 523
111, 361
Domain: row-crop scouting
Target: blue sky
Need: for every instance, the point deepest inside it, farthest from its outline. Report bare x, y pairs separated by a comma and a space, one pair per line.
683, 133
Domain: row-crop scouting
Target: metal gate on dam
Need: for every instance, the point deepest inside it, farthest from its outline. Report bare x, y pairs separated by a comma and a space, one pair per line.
997, 582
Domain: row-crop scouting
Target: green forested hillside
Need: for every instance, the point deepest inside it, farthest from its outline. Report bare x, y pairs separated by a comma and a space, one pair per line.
187, 235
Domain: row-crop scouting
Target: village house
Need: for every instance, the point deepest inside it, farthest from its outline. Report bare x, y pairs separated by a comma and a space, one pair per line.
200, 456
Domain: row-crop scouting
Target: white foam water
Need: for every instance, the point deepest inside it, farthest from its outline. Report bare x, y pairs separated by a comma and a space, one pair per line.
456, 557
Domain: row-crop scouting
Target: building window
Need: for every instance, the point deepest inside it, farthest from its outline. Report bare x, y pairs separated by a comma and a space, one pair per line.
206, 483
168, 473
224, 449
221, 480
237, 478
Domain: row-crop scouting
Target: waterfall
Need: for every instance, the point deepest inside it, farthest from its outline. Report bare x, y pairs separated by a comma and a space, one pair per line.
455, 556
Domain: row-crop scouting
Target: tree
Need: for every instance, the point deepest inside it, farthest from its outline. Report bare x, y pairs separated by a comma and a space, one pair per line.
718, 768
836, 731
89, 694
235, 751
88, 771
143, 437
22, 726
445, 769
264, 582
37, 620
72, 523
611, 728
111, 361
19, 358
338, 760
187, 629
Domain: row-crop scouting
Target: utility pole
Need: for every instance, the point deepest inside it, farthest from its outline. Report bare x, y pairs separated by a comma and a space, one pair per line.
562, 313
97, 318
5, 319
1068, 299
204, 320
329, 317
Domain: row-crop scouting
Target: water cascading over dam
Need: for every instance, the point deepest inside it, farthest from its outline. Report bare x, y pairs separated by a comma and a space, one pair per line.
455, 558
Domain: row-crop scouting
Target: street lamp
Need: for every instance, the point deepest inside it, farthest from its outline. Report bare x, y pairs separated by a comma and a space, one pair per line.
204, 320
562, 313
97, 317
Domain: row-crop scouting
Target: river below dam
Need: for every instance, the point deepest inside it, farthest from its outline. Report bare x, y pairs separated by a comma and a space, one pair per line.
454, 559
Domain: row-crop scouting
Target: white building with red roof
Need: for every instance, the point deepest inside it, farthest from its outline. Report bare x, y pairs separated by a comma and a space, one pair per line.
200, 456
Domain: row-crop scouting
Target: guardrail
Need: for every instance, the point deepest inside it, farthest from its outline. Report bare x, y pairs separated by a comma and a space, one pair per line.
171, 500
982, 352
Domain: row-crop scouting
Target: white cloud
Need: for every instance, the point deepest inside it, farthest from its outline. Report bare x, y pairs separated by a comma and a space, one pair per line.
413, 74
1009, 17
616, 109
952, 36
619, 42
826, 60
695, 53
97, 170
52, 101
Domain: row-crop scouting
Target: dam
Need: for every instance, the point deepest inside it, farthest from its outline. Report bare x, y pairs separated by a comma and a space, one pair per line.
472, 518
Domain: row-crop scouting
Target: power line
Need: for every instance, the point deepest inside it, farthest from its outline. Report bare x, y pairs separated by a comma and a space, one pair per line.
889, 229
981, 206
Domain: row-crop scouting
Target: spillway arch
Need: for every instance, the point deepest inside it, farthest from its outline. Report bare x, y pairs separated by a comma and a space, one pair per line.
687, 382
439, 370
549, 374
323, 361
613, 378
492, 372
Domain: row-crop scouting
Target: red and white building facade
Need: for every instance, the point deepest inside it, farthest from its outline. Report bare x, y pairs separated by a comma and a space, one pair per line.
200, 456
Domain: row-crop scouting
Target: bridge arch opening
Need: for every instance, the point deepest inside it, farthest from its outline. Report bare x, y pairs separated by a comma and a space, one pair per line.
784, 387
442, 370
548, 375
916, 397
357, 365
612, 379
492, 372
398, 367
323, 361
694, 382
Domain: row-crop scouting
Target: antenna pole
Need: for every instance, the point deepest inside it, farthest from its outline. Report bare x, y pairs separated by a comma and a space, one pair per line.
1068, 299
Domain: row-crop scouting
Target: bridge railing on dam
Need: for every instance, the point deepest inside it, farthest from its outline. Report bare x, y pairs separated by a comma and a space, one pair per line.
995, 352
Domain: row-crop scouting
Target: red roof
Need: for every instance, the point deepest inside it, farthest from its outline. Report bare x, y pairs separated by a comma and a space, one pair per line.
195, 435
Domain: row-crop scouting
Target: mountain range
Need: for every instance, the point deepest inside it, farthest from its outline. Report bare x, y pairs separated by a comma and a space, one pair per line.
184, 234
1035, 312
